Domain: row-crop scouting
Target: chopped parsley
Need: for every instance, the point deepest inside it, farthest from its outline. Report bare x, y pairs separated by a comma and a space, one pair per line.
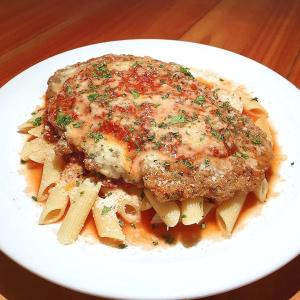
161, 65
241, 154
93, 97
182, 216
206, 162
105, 210
37, 121
157, 145
186, 71
34, 198
81, 193
166, 96
69, 90
178, 88
217, 134
188, 164
96, 136
135, 94
215, 93
154, 243
199, 100
177, 119
255, 99
292, 163
221, 79
103, 71
151, 137
63, 120
256, 141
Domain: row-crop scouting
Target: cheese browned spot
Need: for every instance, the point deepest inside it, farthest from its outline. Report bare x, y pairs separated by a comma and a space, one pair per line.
153, 123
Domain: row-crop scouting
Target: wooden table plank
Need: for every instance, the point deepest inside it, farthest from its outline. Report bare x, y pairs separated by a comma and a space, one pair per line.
265, 31
294, 75
63, 25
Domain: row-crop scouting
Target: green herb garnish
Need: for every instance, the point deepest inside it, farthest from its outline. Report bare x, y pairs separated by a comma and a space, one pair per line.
105, 210
256, 141
177, 119
135, 94
97, 136
37, 121
186, 71
199, 100
63, 120
69, 90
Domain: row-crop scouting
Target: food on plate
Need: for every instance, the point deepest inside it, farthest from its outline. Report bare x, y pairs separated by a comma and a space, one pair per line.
121, 134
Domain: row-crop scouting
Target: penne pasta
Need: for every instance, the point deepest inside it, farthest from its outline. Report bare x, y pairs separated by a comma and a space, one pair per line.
82, 200
262, 191
129, 207
144, 203
192, 211
55, 206
36, 150
51, 174
228, 212
106, 220
263, 124
34, 121
156, 219
36, 131
169, 212
254, 108
207, 207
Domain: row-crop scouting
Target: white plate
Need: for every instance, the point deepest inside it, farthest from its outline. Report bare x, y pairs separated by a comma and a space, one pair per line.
264, 245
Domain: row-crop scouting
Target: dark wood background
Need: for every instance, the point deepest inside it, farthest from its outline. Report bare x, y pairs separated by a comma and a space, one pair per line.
267, 31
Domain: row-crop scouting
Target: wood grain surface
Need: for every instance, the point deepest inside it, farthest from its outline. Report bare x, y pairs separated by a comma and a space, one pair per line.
267, 31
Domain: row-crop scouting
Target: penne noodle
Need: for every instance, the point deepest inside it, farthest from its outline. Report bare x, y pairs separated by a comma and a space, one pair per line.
106, 220
55, 206
169, 212
36, 150
129, 207
192, 211
156, 219
36, 131
82, 201
51, 174
207, 207
262, 190
228, 212
144, 203
262, 123
254, 108
32, 122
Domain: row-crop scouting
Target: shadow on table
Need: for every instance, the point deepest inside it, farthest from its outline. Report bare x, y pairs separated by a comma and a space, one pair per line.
16, 283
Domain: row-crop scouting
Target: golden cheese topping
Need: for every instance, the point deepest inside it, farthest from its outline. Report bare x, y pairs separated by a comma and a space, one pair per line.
149, 122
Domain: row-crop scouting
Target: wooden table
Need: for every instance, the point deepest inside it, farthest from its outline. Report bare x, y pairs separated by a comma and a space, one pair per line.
267, 31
